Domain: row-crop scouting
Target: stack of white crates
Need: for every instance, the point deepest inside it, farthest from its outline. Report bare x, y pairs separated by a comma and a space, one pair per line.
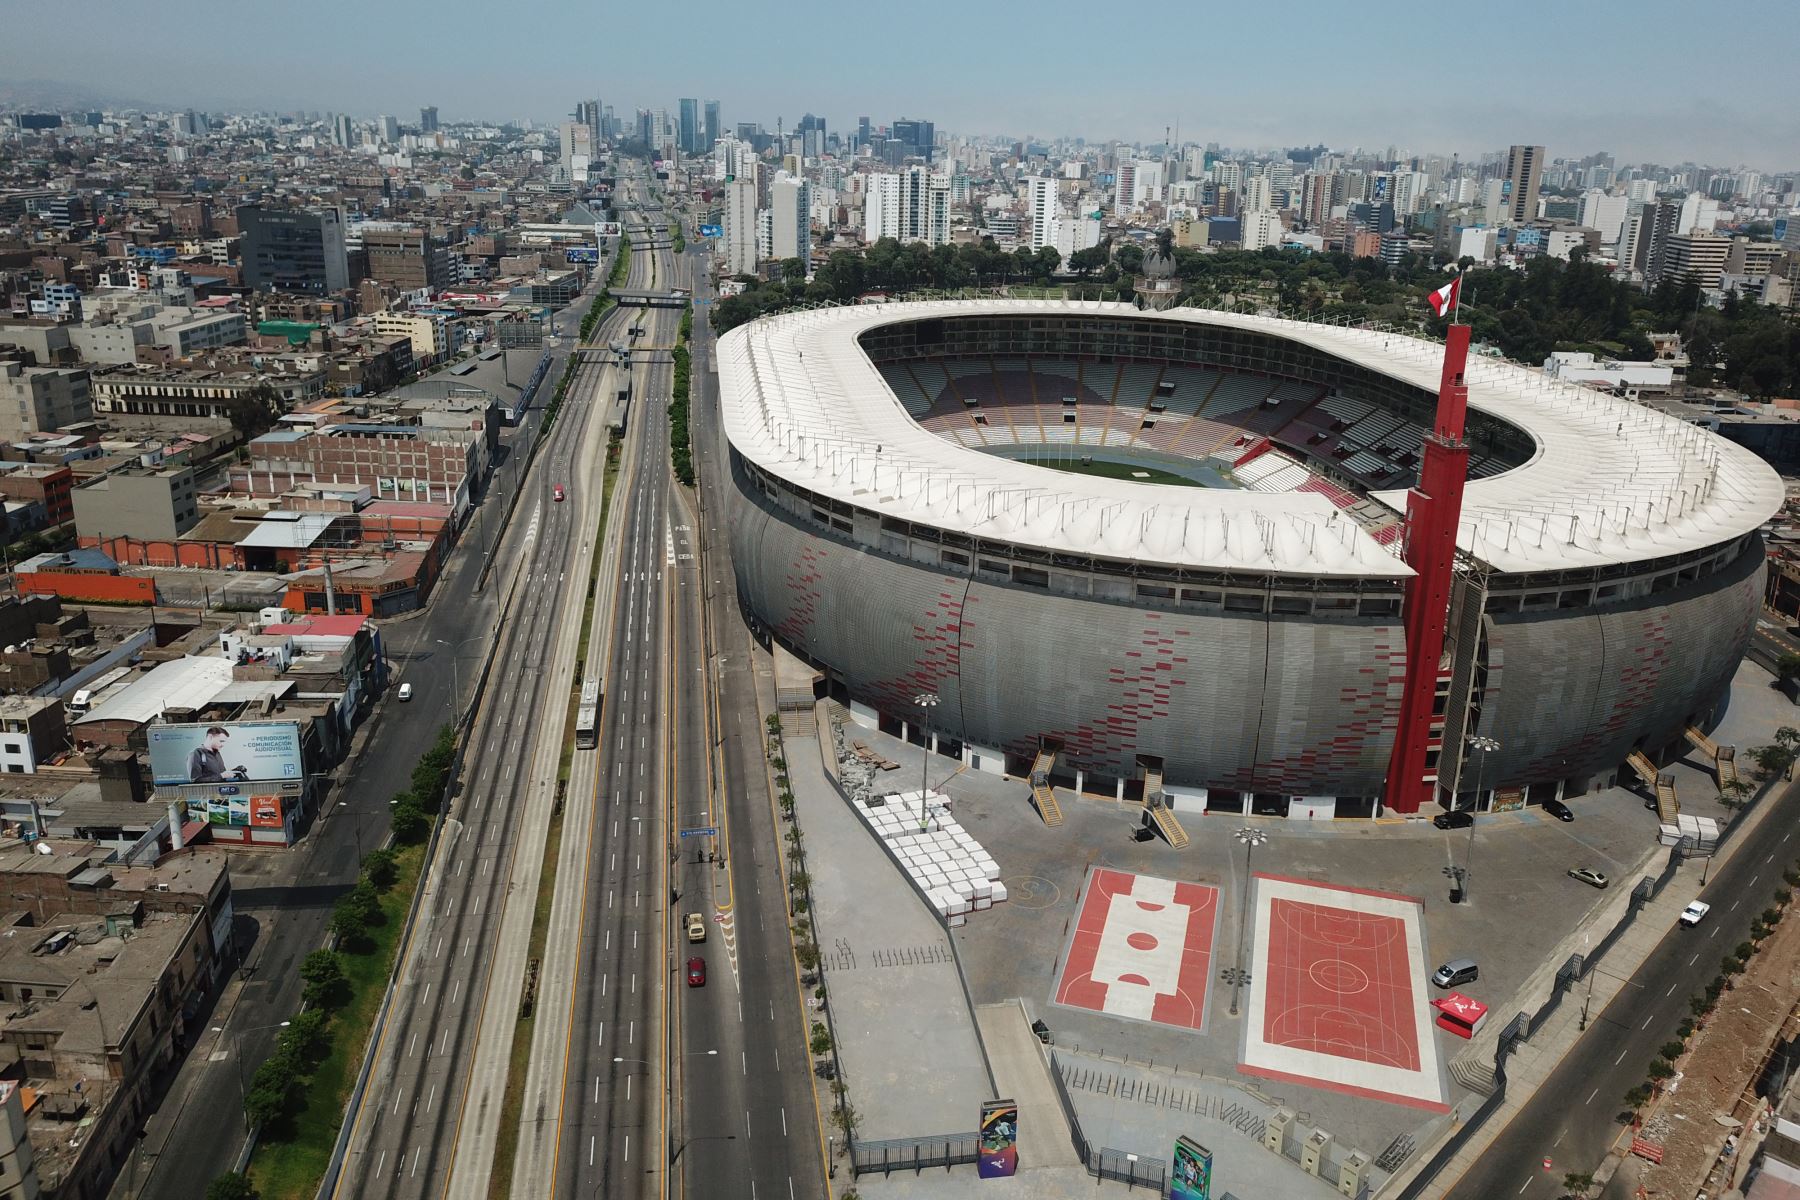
947, 864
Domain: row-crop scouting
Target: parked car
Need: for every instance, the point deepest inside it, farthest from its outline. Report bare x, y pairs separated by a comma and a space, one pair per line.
696, 972
1460, 819
1695, 913
1588, 876
1559, 810
1457, 970
696, 927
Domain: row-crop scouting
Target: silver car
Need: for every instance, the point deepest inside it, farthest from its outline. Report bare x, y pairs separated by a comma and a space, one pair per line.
1589, 876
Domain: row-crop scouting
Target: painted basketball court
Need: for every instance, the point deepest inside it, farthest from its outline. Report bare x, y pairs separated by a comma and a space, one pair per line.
1338, 993
1142, 948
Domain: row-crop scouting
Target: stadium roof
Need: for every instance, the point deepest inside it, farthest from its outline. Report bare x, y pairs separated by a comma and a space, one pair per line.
1610, 480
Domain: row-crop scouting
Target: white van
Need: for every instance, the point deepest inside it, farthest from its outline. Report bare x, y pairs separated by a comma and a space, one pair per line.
405, 692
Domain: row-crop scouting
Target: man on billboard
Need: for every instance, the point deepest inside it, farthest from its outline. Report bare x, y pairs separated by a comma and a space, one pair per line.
207, 763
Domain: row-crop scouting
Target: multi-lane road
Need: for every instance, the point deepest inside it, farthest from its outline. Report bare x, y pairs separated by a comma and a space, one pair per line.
637, 1083
1571, 1119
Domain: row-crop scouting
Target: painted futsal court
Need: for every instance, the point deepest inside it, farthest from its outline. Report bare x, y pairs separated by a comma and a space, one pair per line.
1141, 948
1337, 996
1338, 993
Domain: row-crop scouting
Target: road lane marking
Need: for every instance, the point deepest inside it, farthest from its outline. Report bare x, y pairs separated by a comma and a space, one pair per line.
1523, 1186
784, 1121
746, 1124
410, 1043
1621, 1057
431, 1098
456, 989
1693, 960
1673, 986
596, 1089
1646, 1023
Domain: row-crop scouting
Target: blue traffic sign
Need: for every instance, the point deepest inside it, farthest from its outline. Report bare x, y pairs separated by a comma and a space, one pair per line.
702, 831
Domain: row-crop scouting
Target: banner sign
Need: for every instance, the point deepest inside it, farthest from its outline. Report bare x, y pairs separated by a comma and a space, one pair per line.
712, 231
231, 752
1192, 1177
998, 1155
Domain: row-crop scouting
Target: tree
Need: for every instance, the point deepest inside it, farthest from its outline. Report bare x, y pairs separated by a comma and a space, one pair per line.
381, 868
304, 1041
231, 1186
325, 982
409, 823
254, 412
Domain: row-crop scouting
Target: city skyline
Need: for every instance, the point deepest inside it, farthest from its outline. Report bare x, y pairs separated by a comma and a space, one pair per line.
1424, 90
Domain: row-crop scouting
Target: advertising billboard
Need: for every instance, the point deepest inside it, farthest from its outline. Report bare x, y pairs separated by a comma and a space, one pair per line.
581, 254
998, 1155
230, 752
712, 231
1192, 1177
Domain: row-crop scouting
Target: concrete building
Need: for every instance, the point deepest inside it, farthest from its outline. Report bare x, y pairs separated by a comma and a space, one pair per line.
428, 119
881, 208
1260, 228
1695, 256
709, 128
45, 484
1041, 206
430, 334
187, 331
740, 227
790, 220
32, 729
1524, 174
294, 250
410, 259
41, 399
397, 462
1605, 213
156, 503
18, 1166
1476, 242
207, 393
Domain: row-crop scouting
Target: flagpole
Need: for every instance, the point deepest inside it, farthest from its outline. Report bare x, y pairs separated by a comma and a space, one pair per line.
1456, 309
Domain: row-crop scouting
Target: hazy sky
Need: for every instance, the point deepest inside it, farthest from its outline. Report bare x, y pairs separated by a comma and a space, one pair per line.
1651, 80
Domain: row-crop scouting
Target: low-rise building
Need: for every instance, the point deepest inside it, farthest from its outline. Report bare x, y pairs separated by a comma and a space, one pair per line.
42, 399
49, 486
208, 394
32, 730
143, 503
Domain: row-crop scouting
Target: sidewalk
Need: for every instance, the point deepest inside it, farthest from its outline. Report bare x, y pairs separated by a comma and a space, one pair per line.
905, 1036
1535, 1057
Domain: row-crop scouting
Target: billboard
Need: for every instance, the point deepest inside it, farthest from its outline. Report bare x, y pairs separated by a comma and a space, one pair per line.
231, 752
712, 231
581, 254
1192, 1177
998, 1155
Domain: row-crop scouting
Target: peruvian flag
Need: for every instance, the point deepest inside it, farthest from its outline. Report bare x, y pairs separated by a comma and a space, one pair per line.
1444, 299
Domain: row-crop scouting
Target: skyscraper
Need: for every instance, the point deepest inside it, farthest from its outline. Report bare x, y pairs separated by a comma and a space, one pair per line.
341, 130
1040, 202
710, 133
587, 112
688, 137
428, 119
920, 135
390, 129
1524, 171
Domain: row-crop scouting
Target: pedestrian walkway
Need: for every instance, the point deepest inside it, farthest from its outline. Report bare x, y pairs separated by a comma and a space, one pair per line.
1023, 1076
904, 1032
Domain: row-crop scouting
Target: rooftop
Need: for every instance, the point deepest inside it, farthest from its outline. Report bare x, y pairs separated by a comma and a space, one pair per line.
1610, 480
182, 683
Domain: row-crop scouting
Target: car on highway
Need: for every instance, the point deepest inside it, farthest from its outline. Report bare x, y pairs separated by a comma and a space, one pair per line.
1460, 819
1559, 810
558, 493
696, 971
1695, 913
1589, 876
696, 927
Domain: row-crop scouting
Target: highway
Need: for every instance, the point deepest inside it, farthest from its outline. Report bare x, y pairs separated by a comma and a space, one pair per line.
1572, 1118
462, 967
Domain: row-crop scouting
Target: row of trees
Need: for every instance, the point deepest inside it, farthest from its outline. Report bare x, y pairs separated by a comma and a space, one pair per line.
681, 448
1549, 305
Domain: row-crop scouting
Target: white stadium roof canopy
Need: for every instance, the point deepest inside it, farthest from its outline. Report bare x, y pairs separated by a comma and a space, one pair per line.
1610, 481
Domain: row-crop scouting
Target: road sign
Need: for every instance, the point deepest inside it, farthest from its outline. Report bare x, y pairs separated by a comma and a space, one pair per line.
701, 831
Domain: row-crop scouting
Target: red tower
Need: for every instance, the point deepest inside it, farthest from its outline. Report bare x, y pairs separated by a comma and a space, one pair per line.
1433, 510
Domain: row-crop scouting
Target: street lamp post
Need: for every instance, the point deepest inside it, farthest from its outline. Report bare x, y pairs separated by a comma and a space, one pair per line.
926, 702
237, 1055
456, 673
1487, 746
1237, 976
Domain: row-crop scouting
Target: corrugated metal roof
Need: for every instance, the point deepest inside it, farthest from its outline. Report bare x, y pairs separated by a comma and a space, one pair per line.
1610, 481
184, 683
286, 530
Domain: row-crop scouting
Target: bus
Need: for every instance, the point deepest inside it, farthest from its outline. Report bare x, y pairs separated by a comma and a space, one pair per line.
587, 716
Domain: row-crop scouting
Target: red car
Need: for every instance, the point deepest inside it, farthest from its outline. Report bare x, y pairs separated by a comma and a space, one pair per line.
559, 492
696, 972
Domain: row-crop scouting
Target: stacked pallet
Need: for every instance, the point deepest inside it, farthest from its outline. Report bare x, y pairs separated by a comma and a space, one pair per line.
948, 865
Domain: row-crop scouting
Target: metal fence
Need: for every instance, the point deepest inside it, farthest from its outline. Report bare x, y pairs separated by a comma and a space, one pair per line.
944, 1150
1104, 1162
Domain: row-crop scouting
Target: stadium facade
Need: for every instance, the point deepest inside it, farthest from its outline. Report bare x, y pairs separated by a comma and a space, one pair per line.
898, 520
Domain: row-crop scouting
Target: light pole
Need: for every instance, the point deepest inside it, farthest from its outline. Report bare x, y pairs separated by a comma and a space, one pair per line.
709, 1137
456, 673
237, 1055
1237, 976
1487, 746
926, 702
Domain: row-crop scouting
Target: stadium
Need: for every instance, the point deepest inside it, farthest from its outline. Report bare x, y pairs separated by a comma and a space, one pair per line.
1169, 547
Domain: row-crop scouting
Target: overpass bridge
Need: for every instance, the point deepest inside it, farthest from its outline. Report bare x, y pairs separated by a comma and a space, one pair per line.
627, 298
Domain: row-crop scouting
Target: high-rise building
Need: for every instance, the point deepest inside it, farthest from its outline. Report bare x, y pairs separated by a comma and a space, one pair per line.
863, 131
1662, 221
428, 119
790, 221
409, 258
710, 129
342, 132
1605, 213
881, 207
740, 227
294, 249
921, 136
1259, 227
1255, 195
1124, 187
587, 112
390, 129
1041, 205
1524, 172
688, 137
1696, 256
